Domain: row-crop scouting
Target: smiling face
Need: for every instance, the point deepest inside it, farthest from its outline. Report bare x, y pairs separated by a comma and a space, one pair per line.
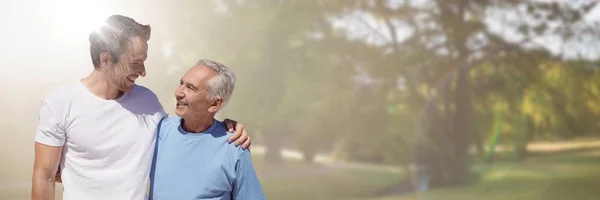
130, 65
192, 95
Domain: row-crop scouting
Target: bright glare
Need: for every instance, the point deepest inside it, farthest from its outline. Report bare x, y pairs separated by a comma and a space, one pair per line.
77, 19
65, 25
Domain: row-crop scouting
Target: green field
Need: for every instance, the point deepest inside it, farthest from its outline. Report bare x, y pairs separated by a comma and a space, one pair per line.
574, 175
551, 177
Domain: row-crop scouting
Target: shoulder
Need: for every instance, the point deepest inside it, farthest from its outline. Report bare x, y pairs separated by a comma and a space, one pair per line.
167, 125
235, 152
62, 96
221, 135
143, 91
142, 96
219, 131
63, 92
170, 121
145, 94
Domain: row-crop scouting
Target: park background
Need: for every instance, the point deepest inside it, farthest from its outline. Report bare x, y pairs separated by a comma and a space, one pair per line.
350, 99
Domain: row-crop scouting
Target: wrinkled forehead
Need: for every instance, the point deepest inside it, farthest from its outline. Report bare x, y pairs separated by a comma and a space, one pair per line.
198, 76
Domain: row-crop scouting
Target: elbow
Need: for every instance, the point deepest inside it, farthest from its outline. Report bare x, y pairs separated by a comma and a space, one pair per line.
42, 176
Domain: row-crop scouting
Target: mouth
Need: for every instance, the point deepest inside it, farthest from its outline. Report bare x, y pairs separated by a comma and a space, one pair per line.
131, 79
181, 104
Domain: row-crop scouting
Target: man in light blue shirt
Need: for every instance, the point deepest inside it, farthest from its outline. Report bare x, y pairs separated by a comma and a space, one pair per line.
192, 158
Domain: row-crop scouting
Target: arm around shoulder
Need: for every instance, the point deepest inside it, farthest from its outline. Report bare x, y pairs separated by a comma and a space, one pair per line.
247, 185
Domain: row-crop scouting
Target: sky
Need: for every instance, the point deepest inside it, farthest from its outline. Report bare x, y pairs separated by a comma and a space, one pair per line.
47, 40
364, 26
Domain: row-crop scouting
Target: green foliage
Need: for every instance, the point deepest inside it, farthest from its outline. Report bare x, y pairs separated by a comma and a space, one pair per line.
297, 73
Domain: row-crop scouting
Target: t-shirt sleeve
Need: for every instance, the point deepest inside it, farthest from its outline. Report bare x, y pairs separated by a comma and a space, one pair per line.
162, 113
247, 186
49, 130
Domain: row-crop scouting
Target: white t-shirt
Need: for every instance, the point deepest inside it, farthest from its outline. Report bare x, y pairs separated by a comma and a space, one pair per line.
107, 144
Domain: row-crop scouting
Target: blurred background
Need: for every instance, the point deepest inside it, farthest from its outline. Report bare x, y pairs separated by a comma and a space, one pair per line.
350, 99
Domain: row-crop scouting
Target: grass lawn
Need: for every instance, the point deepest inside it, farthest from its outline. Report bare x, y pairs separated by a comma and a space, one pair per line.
575, 175
294, 180
338, 184
571, 176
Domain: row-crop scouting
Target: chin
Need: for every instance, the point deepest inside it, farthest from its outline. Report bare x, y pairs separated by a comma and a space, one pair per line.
127, 88
178, 112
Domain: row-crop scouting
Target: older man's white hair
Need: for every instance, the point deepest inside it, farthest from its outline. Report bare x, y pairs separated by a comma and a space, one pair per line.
222, 84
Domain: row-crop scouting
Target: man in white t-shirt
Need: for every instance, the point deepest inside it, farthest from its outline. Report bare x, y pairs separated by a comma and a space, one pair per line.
101, 130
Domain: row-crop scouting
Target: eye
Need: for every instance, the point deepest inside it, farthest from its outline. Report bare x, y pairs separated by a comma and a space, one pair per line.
137, 65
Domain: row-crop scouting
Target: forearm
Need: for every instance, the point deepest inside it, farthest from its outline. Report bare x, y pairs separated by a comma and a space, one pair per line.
50, 137
43, 187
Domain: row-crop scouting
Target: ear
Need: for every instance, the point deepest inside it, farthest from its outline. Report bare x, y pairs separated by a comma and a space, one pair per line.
216, 105
105, 58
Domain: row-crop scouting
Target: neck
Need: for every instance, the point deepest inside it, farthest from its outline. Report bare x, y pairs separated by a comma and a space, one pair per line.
98, 84
197, 125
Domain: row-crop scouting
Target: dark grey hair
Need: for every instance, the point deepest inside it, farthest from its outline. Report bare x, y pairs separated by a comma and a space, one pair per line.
114, 35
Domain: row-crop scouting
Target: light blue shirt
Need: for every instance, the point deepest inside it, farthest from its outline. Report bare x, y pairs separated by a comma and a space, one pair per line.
190, 166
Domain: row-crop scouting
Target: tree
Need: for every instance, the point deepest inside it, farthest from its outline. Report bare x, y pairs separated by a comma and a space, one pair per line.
446, 39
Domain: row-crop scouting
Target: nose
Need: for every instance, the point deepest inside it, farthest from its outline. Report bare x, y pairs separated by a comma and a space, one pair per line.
179, 92
143, 71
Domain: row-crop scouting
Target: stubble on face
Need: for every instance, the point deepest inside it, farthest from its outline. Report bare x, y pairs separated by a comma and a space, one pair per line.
130, 66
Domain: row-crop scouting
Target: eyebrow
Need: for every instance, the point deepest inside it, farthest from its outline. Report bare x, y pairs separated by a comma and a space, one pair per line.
138, 60
188, 84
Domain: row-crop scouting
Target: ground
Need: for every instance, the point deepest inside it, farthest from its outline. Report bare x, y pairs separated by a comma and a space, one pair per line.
572, 173
559, 173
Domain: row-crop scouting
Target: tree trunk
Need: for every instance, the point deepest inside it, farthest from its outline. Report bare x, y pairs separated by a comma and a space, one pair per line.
443, 159
455, 138
434, 171
521, 144
463, 129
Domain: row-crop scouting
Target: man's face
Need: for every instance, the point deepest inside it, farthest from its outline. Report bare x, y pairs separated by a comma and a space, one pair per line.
130, 66
192, 94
